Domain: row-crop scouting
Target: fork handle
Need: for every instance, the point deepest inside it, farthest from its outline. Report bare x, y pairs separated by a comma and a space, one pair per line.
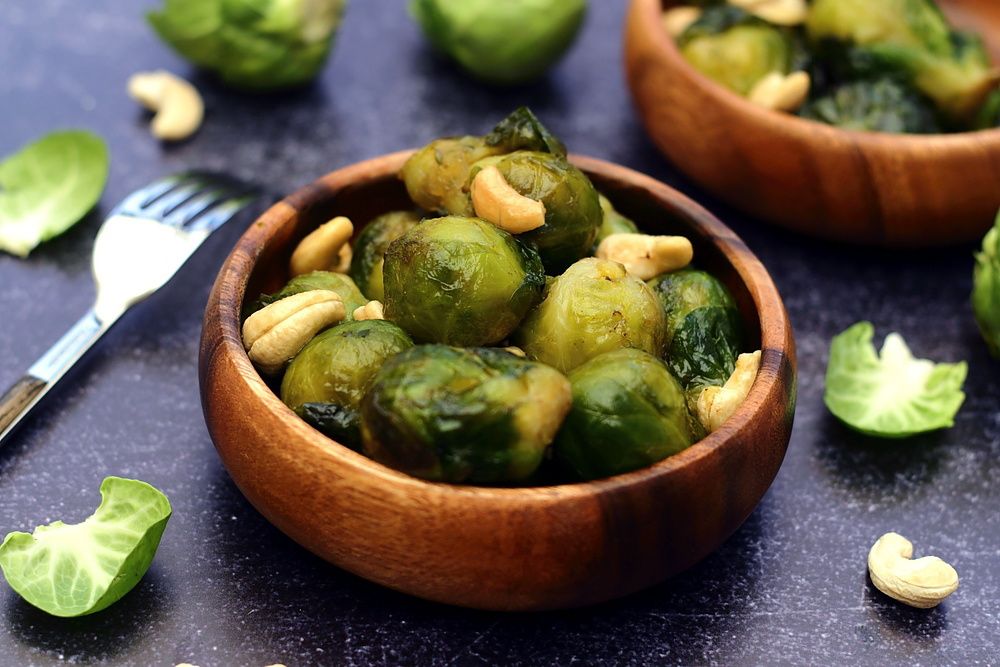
25, 394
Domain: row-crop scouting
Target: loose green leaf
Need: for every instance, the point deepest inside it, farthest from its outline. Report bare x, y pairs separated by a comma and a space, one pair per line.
48, 186
986, 289
893, 395
78, 569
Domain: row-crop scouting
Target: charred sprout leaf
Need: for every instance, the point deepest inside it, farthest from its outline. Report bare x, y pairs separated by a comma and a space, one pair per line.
986, 289
612, 222
893, 395
79, 569
460, 281
522, 131
370, 247
628, 412
592, 308
880, 105
459, 415
328, 280
336, 422
572, 209
48, 186
736, 49
501, 42
252, 44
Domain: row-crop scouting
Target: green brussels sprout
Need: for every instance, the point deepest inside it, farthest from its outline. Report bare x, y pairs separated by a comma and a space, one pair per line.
879, 105
909, 39
986, 289
736, 49
628, 412
460, 281
252, 44
703, 332
458, 415
612, 222
592, 308
369, 249
989, 114
326, 380
437, 175
335, 282
506, 42
572, 208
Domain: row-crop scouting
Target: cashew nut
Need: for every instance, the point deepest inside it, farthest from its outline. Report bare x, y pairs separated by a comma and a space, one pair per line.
373, 310
920, 583
178, 106
277, 332
647, 256
677, 19
516, 351
717, 404
778, 12
323, 248
494, 200
781, 92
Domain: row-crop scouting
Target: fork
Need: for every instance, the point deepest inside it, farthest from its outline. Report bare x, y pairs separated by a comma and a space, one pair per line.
141, 245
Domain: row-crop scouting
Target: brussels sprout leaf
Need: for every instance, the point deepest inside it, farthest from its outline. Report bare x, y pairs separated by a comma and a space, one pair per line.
893, 395
48, 186
522, 131
986, 289
78, 569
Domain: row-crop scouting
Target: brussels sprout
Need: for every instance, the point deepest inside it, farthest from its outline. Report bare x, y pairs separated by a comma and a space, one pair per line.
628, 412
522, 131
612, 222
880, 105
369, 249
735, 48
986, 289
506, 42
336, 282
460, 281
592, 308
989, 114
326, 380
572, 208
252, 44
703, 333
458, 415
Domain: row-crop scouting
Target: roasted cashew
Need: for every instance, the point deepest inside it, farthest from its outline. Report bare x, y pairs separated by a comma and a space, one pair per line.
677, 19
373, 310
277, 332
781, 92
920, 583
494, 200
646, 256
323, 248
717, 404
516, 351
778, 12
178, 106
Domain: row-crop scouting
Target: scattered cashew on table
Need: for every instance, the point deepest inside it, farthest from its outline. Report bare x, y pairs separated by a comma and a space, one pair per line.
178, 105
921, 583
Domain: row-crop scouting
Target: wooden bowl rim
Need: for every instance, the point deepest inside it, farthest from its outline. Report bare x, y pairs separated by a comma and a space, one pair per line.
775, 334
803, 129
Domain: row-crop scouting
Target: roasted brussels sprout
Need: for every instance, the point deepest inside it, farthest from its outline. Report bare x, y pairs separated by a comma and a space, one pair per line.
989, 115
986, 289
326, 380
735, 48
460, 281
437, 175
703, 332
458, 415
328, 280
572, 208
369, 249
879, 105
628, 412
612, 222
592, 308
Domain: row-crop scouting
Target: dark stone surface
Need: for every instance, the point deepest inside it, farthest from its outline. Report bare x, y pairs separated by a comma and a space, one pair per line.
228, 589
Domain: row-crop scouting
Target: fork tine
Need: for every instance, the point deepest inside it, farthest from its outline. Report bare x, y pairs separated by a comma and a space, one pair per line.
190, 209
135, 202
162, 206
214, 216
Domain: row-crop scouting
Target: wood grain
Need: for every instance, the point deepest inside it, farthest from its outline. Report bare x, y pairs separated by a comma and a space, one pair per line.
493, 548
859, 187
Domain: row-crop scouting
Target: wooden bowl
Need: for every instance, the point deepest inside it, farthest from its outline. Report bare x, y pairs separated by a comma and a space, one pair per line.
859, 187
493, 548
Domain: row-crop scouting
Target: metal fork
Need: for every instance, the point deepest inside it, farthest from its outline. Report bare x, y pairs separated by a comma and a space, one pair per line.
141, 245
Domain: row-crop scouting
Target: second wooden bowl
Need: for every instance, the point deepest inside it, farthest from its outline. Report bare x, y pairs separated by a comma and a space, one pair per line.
493, 548
859, 187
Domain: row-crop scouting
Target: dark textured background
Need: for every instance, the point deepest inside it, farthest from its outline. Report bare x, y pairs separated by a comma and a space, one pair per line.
228, 589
